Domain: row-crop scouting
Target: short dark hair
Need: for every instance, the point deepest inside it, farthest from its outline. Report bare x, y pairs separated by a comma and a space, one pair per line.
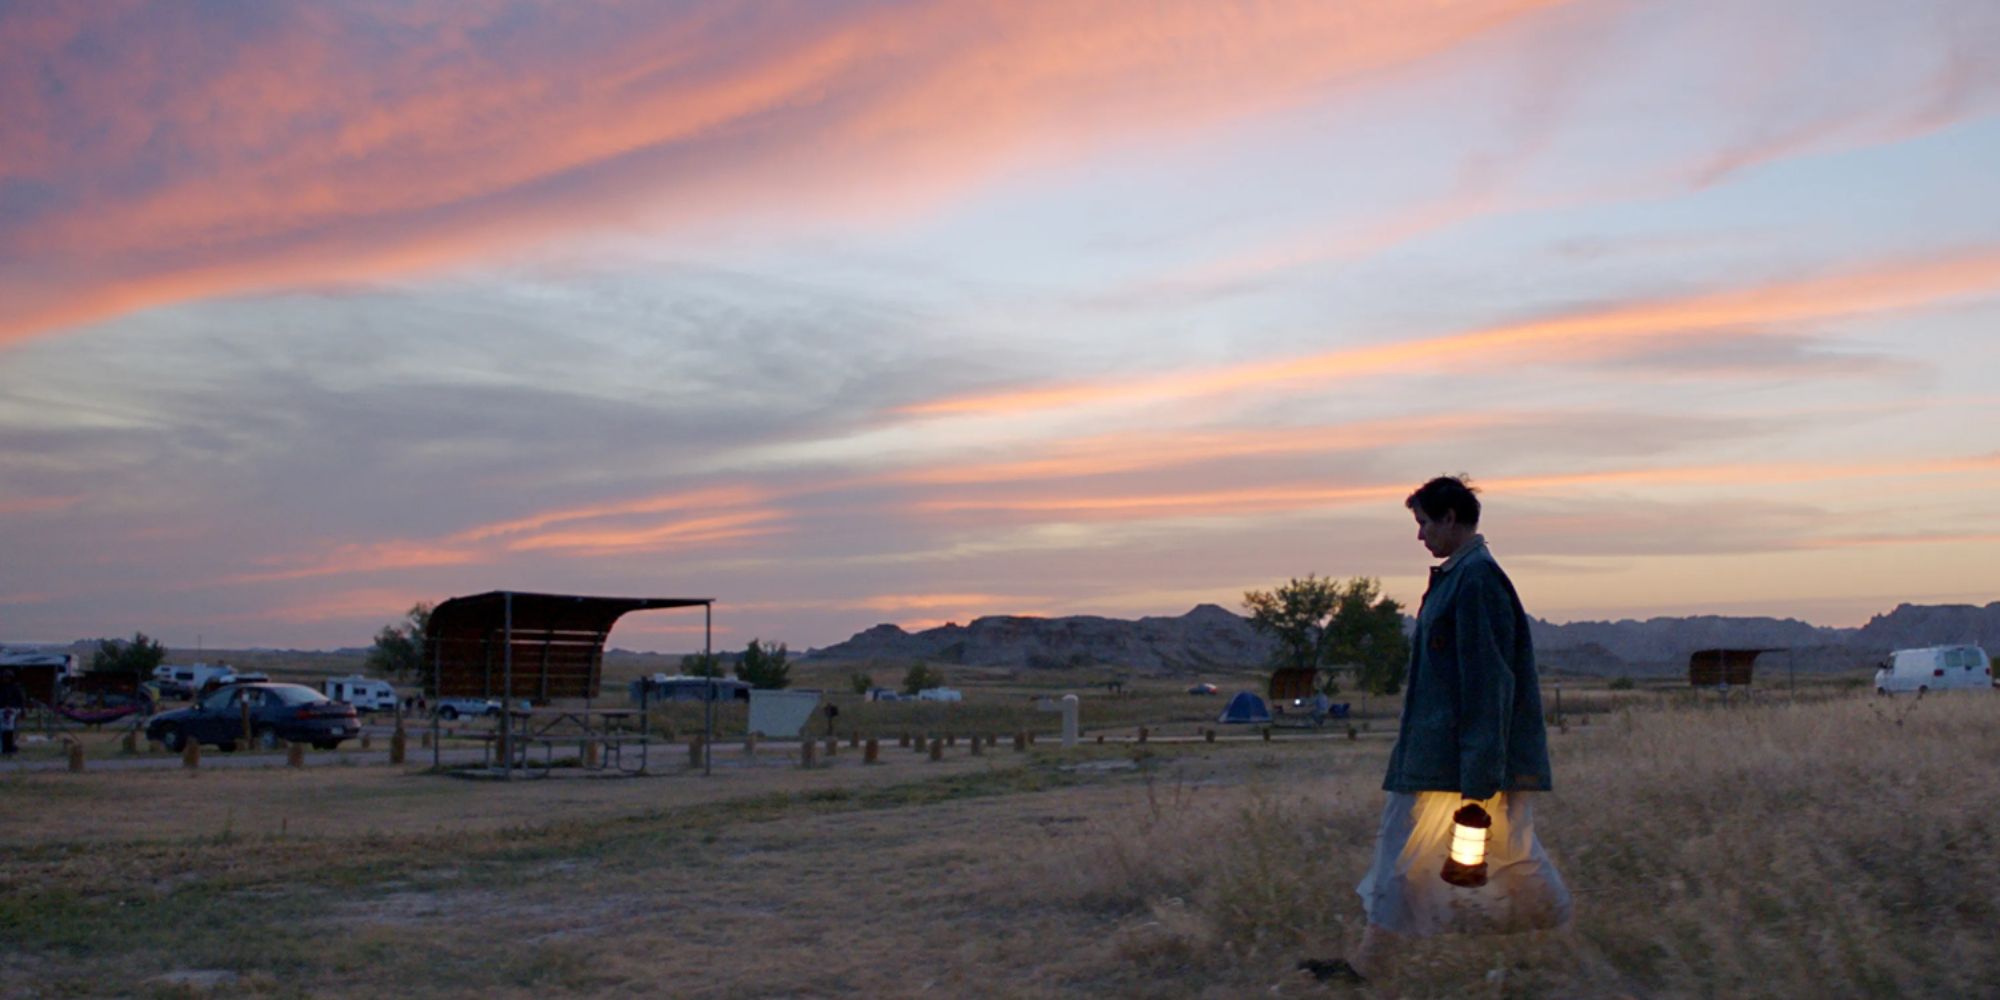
1453, 494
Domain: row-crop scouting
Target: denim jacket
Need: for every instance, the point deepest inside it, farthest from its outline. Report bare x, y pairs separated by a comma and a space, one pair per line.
1472, 716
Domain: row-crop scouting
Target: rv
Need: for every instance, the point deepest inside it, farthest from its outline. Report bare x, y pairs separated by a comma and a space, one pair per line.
1935, 668
366, 694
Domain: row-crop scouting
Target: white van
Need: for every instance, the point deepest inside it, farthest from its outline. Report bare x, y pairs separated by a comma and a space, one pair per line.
366, 694
1935, 668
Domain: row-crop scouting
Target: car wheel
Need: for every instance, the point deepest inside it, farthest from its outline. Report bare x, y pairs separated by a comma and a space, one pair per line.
171, 738
326, 744
269, 739
448, 714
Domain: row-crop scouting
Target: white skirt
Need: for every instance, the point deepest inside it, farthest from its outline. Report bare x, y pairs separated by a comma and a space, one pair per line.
1404, 892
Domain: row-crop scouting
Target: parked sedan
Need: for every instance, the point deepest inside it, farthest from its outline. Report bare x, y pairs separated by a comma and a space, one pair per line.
279, 713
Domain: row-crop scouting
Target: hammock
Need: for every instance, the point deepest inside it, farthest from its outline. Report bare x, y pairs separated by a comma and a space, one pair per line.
95, 716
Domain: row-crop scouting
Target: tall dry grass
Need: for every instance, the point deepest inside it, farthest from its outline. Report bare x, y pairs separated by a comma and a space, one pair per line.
1844, 848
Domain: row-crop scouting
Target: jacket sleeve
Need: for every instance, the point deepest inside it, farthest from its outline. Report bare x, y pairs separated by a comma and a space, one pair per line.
1485, 640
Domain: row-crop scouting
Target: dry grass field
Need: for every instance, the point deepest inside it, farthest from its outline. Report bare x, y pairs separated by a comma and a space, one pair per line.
1838, 845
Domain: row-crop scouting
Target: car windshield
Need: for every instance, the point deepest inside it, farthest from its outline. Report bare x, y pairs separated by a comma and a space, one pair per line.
295, 694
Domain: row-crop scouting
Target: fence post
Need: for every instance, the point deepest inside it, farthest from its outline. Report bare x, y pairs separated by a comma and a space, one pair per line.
191, 755
1020, 742
976, 751
295, 755
1267, 734
872, 753
1142, 734
903, 741
808, 753
76, 757
937, 748
695, 751
749, 745
1208, 734
832, 747
399, 744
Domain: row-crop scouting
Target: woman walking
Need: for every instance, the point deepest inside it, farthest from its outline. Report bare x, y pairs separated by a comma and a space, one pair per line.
1471, 733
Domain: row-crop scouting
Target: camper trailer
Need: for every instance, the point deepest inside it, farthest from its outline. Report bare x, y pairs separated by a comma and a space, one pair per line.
366, 694
1935, 668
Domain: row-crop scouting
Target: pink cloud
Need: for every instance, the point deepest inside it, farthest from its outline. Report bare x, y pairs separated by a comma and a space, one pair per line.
180, 153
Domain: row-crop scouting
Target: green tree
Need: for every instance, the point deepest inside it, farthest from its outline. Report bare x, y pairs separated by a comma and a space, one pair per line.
399, 647
701, 665
1365, 636
921, 677
137, 657
1296, 615
764, 666
1326, 624
860, 682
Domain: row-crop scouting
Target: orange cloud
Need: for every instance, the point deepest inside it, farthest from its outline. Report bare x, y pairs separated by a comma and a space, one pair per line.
300, 147
1269, 499
689, 531
366, 558
728, 496
1105, 454
1892, 287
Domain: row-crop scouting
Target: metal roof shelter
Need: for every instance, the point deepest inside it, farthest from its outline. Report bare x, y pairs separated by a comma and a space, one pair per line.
1718, 667
514, 645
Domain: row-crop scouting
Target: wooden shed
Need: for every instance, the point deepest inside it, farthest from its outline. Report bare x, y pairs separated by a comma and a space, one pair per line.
1720, 667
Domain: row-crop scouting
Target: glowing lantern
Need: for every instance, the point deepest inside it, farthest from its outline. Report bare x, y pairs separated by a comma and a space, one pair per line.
1466, 865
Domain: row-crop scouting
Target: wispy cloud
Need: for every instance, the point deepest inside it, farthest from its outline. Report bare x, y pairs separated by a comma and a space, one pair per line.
315, 144
1559, 339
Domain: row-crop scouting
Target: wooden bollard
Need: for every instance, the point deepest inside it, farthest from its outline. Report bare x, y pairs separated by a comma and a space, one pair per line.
808, 753
1143, 732
937, 748
921, 743
1352, 734
399, 745
1100, 739
295, 755
872, 753
365, 740
1208, 734
1031, 737
951, 739
191, 755
1267, 734
695, 751
903, 741
992, 740
1020, 742
976, 751
853, 739
749, 745
131, 744
75, 757
832, 746
589, 754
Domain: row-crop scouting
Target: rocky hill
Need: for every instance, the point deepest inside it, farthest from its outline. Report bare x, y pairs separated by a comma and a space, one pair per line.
1210, 637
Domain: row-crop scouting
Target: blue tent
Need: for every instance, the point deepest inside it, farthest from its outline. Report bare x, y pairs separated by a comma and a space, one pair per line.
1245, 707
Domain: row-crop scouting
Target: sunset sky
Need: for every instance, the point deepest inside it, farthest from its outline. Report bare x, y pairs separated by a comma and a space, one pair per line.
847, 313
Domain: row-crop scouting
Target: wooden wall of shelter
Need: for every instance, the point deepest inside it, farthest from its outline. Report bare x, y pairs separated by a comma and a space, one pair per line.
513, 645
1716, 667
1292, 682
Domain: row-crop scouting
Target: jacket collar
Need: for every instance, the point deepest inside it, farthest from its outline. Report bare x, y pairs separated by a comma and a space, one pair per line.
1472, 547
